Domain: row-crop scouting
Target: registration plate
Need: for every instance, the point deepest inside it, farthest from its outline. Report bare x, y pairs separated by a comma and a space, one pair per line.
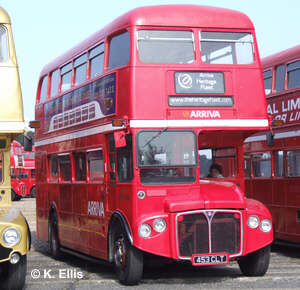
210, 259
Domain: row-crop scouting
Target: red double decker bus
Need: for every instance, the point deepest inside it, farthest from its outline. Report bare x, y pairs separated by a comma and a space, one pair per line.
28, 172
140, 147
18, 188
273, 172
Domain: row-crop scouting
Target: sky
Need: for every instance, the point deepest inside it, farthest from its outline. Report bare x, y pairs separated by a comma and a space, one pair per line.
45, 29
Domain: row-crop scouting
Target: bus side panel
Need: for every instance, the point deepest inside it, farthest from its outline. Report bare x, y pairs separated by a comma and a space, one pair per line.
293, 208
42, 203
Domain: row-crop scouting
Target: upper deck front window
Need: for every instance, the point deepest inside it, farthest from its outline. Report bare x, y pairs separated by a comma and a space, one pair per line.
3, 45
166, 46
226, 47
167, 156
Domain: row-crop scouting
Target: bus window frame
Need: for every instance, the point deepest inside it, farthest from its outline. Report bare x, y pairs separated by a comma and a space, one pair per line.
88, 172
89, 60
271, 161
8, 52
190, 29
63, 71
39, 101
78, 63
287, 74
74, 180
215, 158
107, 47
254, 47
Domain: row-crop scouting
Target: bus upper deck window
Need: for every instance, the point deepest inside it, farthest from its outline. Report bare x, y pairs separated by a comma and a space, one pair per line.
293, 70
54, 83
279, 78
66, 77
96, 57
226, 47
268, 81
119, 50
3, 45
80, 68
166, 46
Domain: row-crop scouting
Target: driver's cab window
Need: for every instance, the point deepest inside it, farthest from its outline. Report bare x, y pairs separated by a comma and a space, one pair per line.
217, 162
3, 45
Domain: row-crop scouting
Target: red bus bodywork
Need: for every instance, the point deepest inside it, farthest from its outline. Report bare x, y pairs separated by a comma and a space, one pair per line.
274, 178
16, 168
28, 172
148, 195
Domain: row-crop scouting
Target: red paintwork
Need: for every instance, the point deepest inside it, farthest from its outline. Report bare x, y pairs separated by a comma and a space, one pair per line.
16, 167
280, 194
28, 170
141, 94
212, 195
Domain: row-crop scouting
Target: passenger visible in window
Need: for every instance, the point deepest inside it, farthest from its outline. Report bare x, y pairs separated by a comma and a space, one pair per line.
215, 171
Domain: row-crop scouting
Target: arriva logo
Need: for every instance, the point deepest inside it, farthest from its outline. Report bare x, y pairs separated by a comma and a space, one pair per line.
205, 114
185, 80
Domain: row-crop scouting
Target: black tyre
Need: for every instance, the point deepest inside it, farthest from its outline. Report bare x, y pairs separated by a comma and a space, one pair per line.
15, 196
32, 192
256, 263
14, 275
128, 260
54, 245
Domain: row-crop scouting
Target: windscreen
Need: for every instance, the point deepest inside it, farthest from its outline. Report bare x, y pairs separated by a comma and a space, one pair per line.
166, 157
226, 47
165, 46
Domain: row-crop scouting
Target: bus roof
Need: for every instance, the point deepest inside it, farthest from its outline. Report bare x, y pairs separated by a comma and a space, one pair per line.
281, 57
161, 15
4, 17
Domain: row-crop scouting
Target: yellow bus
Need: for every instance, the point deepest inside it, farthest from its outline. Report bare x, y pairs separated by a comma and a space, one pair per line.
14, 231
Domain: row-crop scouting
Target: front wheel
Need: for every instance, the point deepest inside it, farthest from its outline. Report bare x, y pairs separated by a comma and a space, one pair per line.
256, 263
128, 260
14, 275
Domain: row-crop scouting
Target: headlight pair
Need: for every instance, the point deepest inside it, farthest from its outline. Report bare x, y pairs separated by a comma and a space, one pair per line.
265, 225
159, 225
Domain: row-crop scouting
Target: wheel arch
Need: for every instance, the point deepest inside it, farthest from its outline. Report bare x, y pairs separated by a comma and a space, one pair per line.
117, 218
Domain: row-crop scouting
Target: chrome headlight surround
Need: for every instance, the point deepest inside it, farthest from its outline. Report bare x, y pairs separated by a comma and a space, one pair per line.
265, 225
145, 231
11, 237
253, 221
159, 225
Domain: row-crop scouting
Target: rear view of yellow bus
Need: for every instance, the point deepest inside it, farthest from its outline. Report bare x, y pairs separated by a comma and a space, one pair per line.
14, 231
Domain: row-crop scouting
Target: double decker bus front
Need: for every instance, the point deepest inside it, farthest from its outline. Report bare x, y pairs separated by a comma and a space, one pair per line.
198, 93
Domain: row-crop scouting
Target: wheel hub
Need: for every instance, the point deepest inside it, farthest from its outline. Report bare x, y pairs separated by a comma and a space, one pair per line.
120, 253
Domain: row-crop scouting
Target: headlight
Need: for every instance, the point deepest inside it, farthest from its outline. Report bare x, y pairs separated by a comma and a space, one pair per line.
159, 225
145, 230
253, 221
265, 225
11, 237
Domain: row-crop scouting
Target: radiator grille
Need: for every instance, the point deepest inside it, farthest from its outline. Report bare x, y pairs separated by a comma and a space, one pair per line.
4, 252
201, 233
